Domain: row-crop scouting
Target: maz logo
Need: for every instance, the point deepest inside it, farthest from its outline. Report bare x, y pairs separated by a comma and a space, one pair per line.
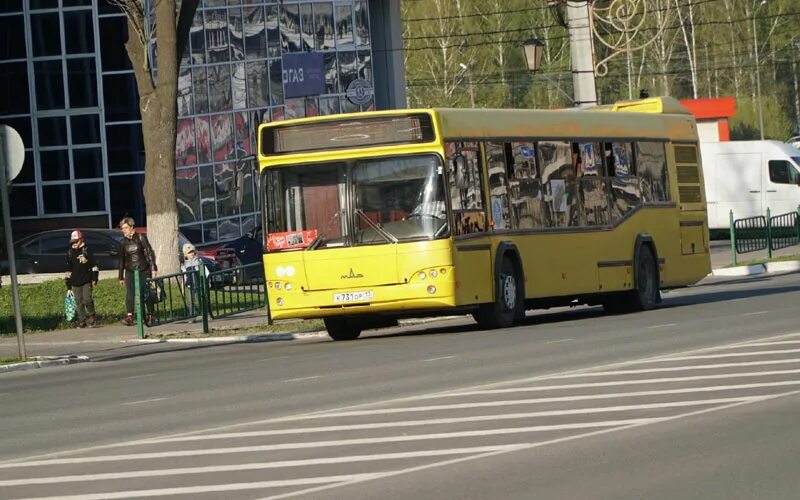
352, 275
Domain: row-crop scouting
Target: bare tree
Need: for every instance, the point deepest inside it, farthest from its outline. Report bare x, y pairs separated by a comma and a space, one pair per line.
167, 24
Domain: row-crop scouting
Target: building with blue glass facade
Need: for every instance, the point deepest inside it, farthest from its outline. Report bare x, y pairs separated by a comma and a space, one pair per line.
67, 86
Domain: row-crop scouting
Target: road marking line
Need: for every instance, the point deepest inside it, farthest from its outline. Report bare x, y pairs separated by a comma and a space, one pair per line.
761, 344
618, 383
726, 355
754, 313
559, 341
662, 326
438, 359
322, 444
674, 369
524, 446
187, 490
143, 401
300, 379
140, 376
452, 420
581, 372
248, 466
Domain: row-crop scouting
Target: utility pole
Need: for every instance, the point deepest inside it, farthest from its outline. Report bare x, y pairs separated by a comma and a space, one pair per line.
581, 51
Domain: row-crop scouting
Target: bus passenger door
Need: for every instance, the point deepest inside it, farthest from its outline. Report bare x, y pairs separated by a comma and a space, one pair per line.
473, 266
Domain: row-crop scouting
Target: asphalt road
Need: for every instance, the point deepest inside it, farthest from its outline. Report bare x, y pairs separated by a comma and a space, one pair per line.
698, 399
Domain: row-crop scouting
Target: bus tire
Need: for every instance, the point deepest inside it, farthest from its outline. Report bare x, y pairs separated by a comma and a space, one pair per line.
502, 312
342, 328
645, 293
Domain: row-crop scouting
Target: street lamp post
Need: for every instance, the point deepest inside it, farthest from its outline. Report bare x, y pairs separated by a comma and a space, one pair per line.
533, 49
465, 68
758, 68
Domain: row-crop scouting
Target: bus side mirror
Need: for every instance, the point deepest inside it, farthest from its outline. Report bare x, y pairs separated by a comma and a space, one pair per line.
243, 167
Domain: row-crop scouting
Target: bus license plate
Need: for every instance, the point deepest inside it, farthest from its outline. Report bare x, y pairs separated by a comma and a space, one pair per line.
352, 296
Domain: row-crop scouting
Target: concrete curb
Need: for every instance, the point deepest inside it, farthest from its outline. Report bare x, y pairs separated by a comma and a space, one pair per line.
259, 337
43, 362
770, 267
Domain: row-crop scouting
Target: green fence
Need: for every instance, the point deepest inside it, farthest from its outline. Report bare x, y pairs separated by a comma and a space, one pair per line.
190, 295
768, 233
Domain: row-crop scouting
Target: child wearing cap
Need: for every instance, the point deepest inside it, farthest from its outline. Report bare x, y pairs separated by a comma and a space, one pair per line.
190, 265
82, 276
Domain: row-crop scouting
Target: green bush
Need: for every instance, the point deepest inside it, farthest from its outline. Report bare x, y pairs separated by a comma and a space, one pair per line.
43, 305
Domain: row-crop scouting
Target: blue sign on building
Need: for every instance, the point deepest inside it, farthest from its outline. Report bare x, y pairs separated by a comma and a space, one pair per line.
303, 74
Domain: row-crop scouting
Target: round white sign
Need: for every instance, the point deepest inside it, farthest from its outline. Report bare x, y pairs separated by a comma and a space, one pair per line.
13, 151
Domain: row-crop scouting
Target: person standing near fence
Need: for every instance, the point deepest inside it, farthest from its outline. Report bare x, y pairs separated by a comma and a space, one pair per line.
135, 254
81, 278
191, 266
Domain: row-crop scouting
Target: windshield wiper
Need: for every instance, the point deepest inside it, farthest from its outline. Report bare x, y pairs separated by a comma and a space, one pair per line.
377, 227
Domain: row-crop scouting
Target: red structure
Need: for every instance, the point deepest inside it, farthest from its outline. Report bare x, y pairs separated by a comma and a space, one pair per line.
712, 116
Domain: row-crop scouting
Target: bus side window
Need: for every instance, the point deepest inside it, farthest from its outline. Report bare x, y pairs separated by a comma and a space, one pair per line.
593, 184
498, 185
625, 192
651, 162
557, 174
465, 187
527, 199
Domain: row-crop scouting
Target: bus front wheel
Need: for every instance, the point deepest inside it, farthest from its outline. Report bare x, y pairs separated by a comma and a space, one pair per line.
342, 328
501, 312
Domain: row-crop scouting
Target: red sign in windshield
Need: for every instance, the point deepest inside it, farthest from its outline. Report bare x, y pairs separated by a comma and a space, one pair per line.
290, 239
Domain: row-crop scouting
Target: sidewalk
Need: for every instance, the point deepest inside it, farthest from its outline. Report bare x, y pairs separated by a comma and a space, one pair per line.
79, 345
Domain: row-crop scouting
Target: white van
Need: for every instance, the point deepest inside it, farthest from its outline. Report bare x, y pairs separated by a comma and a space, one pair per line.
748, 177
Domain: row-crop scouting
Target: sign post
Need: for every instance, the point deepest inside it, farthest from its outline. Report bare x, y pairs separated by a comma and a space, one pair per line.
12, 156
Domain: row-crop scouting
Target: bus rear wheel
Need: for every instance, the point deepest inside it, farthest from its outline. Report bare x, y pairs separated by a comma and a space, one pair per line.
501, 312
342, 328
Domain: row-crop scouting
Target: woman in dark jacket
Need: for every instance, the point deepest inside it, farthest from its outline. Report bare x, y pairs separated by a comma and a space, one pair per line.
135, 254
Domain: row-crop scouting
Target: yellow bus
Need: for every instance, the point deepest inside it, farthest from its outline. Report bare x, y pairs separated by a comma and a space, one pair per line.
371, 217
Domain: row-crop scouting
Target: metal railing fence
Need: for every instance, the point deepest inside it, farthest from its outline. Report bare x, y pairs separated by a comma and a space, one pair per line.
769, 233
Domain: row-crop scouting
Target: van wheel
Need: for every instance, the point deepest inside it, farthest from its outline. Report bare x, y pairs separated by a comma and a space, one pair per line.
342, 328
645, 294
501, 312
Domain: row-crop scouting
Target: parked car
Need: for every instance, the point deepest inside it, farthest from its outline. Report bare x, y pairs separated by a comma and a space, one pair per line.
46, 252
248, 249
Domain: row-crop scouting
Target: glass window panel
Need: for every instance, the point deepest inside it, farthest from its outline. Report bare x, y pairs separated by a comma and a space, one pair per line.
331, 74
307, 26
125, 148
185, 106
53, 131
120, 100
207, 199
651, 162
273, 31
241, 128
498, 186
12, 37
49, 84
365, 65
347, 69
258, 84
277, 113
23, 126
290, 28
219, 88
465, 185
14, 88
54, 165
312, 108
82, 79
77, 3
295, 108
238, 86
362, 24
344, 26
185, 147
27, 174
203, 139
43, 29
90, 197
85, 129
323, 20
222, 137
235, 33
200, 92
57, 199
223, 185
194, 232
11, 6
348, 106
78, 32
87, 163
197, 40
276, 82
255, 33
187, 185
23, 201
216, 29
114, 33
526, 198
214, 3
328, 105
127, 199
248, 224
229, 229
106, 7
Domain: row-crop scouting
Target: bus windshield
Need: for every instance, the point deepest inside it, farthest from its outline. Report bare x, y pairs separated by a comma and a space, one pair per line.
357, 202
